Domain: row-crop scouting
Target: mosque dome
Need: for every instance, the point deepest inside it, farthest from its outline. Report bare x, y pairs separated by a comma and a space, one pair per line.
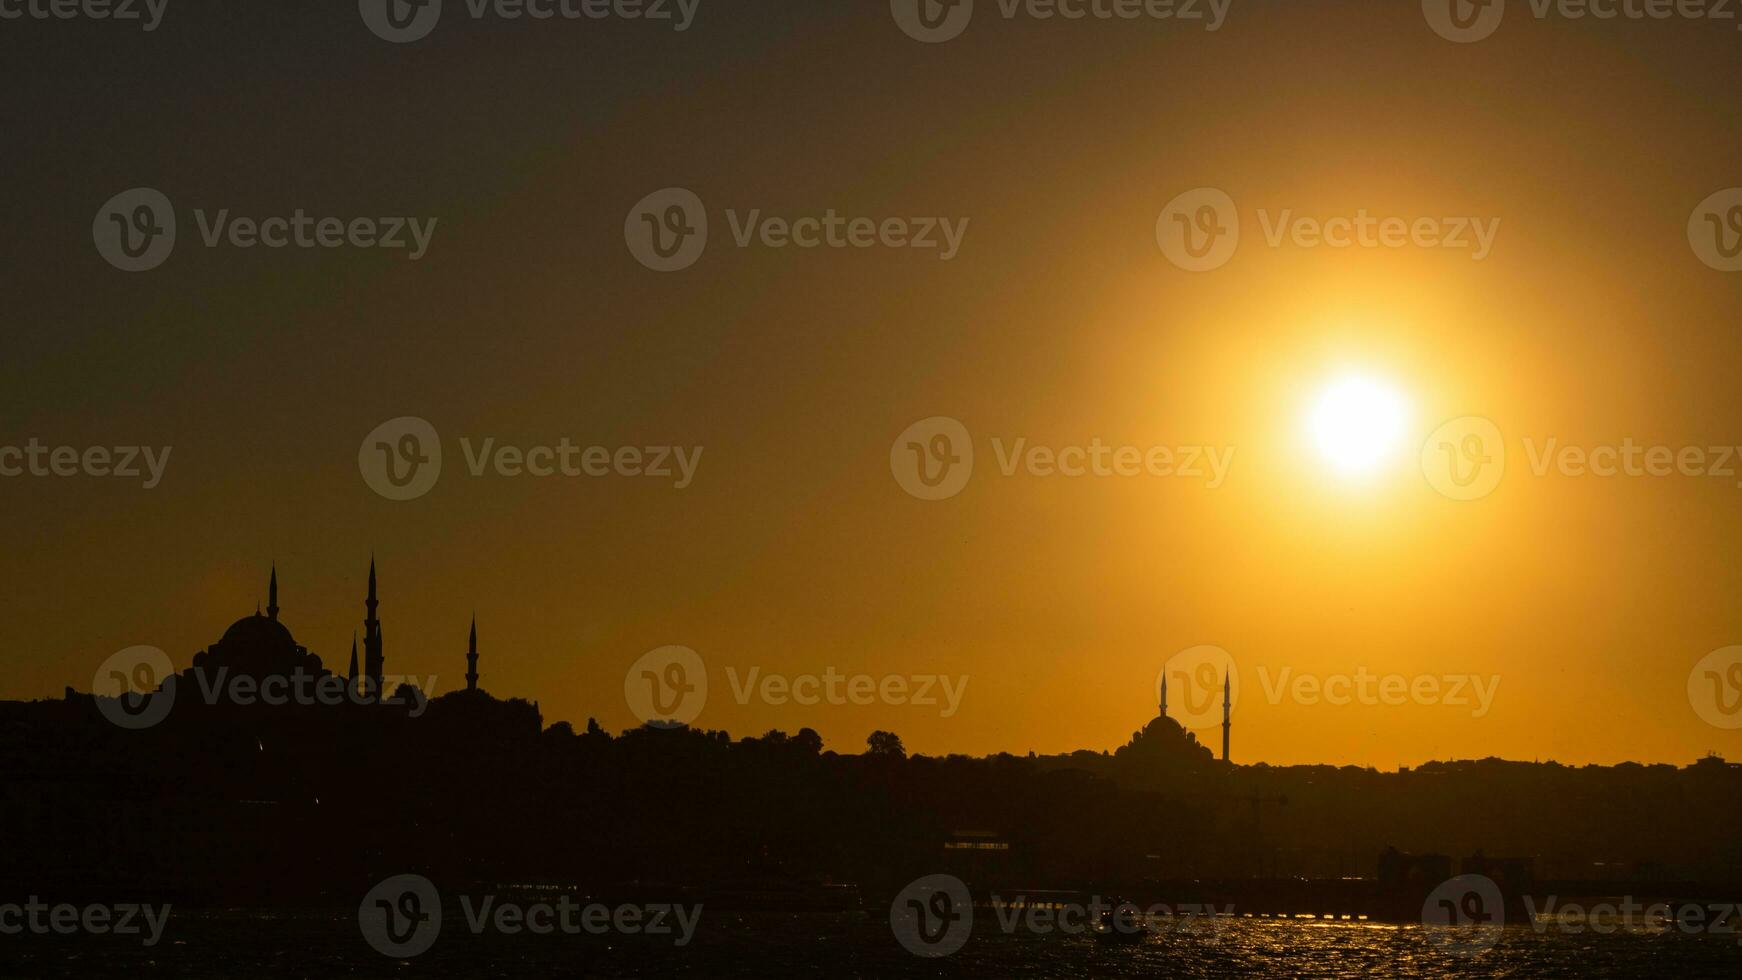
258, 632
259, 646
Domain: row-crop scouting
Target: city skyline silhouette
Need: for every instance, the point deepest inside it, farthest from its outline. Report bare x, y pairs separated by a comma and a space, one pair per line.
908, 489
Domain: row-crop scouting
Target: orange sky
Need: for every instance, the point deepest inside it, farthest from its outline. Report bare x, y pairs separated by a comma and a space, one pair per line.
795, 551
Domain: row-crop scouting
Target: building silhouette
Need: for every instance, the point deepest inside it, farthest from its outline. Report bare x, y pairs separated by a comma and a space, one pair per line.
232, 801
1227, 708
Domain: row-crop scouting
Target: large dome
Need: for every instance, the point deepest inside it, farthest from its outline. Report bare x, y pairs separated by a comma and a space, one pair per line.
258, 631
259, 646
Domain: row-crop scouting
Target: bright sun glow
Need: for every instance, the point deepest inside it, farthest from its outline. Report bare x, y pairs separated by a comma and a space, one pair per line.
1358, 423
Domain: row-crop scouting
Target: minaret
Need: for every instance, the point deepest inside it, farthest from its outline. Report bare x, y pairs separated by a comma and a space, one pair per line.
1227, 704
353, 674
472, 657
1164, 692
272, 594
373, 659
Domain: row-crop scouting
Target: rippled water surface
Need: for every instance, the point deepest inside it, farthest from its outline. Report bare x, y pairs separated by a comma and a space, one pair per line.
244, 945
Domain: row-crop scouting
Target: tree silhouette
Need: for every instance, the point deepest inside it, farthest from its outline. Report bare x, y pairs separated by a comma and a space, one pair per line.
884, 745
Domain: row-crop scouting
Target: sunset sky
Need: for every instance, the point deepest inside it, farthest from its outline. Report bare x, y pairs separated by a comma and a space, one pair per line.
1060, 322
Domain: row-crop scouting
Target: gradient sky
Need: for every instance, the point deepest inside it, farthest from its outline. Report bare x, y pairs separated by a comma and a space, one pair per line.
1060, 322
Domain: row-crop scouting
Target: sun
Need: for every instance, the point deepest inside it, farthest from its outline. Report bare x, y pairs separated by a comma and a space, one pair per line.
1359, 423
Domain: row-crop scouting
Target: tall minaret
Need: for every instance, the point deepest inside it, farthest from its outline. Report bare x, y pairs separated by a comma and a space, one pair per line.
353, 674
373, 659
1164, 692
272, 594
472, 657
1227, 704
